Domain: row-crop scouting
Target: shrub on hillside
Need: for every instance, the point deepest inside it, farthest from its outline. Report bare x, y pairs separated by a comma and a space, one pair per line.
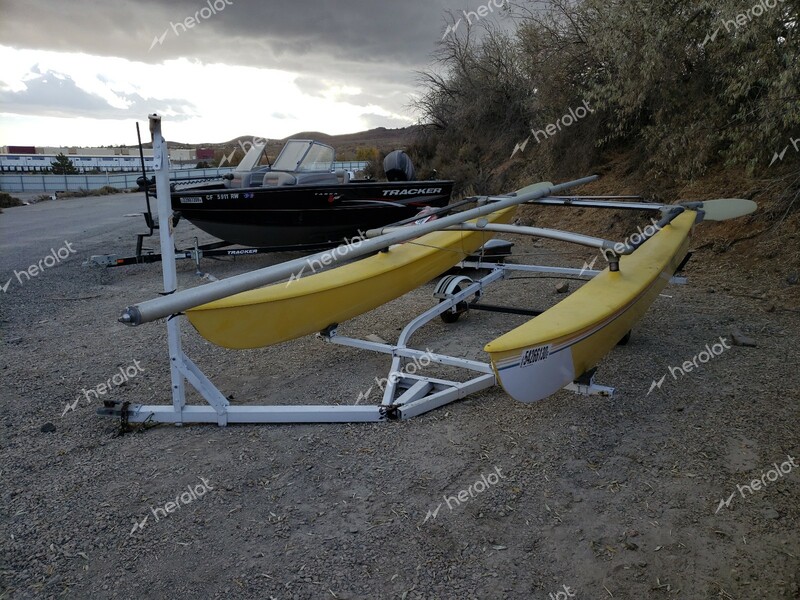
676, 85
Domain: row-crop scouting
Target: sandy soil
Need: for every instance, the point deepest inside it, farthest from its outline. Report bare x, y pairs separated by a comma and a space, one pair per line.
581, 497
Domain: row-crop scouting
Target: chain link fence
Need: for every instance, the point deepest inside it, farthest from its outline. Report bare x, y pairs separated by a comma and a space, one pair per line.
123, 181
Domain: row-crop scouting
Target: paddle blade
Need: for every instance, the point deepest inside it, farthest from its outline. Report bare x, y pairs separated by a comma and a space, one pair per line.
534, 187
723, 209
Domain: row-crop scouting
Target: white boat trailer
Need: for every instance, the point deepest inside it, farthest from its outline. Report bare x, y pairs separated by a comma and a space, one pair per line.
405, 395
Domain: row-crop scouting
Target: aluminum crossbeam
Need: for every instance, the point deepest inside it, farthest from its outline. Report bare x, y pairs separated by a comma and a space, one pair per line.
588, 273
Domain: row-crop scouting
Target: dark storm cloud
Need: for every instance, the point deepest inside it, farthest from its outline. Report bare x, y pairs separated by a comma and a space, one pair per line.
56, 95
375, 46
266, 34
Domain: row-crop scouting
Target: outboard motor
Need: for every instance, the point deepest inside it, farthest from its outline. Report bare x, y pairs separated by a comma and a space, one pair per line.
398, 167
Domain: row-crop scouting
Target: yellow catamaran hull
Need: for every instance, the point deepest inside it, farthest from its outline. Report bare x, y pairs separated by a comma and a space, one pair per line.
285, 311
550, 351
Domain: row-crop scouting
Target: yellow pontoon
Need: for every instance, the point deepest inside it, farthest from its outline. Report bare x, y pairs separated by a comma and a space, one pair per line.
308, 304
552, 350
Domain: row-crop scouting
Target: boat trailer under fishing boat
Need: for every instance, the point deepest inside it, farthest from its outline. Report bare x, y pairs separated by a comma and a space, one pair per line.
557, 348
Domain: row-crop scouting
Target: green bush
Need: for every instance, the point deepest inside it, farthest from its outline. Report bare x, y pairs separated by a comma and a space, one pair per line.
103, 191
7, 200
670, 84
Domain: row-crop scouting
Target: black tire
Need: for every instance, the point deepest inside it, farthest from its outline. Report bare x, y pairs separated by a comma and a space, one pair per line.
625, 339
461, 308
450, 317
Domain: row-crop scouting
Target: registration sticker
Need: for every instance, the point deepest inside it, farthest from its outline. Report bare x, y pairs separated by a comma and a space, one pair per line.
192, 200
534, 355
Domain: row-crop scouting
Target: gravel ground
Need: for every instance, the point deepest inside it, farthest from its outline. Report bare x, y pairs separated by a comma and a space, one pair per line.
569, 497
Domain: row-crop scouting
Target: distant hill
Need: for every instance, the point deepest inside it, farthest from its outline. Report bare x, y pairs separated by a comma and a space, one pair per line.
346, 144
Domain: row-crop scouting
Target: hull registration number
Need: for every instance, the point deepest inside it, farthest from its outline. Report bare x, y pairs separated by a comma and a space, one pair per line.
534, 355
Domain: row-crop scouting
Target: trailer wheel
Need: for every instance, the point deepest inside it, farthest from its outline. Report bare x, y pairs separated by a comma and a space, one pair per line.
451, 317
625, 339
462, 307
448, 287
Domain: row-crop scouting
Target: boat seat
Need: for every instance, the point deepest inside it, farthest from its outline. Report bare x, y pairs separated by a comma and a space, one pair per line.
326, 178
278, 178
343, 176
250, 178
281, 178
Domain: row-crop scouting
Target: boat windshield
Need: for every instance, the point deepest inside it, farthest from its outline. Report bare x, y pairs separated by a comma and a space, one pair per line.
253, 158
304, 156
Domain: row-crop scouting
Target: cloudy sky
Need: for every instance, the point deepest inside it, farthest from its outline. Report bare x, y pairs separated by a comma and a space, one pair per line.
79, 72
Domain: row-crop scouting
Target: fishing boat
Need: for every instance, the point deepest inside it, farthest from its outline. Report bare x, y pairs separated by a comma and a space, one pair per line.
300, 202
